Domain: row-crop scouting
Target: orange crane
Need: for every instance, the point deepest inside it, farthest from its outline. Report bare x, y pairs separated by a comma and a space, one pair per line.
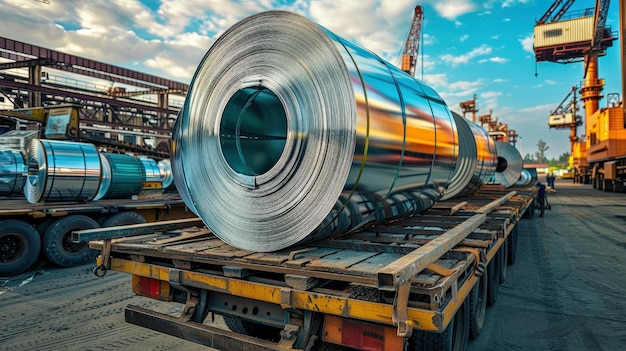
563, 117
411, 45
469, 106
579, 39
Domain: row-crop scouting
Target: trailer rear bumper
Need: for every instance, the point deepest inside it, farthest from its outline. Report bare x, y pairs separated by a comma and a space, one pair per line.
204, 334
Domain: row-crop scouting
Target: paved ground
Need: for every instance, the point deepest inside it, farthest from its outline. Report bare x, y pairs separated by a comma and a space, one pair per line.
566, 291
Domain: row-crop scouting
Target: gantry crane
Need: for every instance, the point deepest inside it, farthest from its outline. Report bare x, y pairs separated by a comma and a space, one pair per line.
564, 117
412, 43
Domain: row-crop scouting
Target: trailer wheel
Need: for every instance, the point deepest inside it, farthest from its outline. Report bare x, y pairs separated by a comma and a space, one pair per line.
454, 338
19, 246
512, 246
123, 218
57, 241
44, 224
243, 326
478, 305
493, 286
504, 258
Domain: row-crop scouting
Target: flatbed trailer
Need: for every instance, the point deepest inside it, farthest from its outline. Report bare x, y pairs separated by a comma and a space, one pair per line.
29, 231
415, 283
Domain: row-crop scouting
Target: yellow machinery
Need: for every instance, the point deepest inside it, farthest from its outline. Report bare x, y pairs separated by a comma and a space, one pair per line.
599, 158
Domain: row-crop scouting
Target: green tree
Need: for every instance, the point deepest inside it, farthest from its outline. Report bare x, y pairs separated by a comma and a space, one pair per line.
529, 159
542, 147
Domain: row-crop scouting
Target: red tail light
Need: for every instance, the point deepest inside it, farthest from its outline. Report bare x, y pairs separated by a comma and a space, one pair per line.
360, 335
154, 288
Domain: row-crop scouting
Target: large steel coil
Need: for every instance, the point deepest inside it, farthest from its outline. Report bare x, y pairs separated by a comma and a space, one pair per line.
477, 159
12, 172
122, 176
290, 133
509, 166
61, 171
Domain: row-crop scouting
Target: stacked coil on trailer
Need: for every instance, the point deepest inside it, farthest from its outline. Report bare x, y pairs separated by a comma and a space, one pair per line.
525, 178
61, 171
510, 164
290, 134
122, 176
72, 171
12, 171
477, 159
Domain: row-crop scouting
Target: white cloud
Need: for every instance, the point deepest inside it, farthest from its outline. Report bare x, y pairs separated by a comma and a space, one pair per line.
509, 3
500, 80
490, 94
495, 59
527, 43
436, 80
428, 39
464, 38
455, 60
465, 85
451, 9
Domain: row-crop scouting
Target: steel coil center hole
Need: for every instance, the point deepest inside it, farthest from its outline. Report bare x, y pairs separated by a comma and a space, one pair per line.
502, 165
253, 130
33, 172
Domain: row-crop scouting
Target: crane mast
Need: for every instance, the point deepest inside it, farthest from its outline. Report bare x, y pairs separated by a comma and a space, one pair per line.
411, 46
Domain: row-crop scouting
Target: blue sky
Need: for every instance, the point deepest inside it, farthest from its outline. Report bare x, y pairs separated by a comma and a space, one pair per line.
469, 47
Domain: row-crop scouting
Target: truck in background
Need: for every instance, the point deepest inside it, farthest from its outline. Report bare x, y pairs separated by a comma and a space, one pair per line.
43, 230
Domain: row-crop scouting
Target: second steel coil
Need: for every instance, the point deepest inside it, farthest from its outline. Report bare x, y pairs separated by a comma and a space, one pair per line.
122, 176
61, 171
12, 171
509, 166
476, 162
290, 133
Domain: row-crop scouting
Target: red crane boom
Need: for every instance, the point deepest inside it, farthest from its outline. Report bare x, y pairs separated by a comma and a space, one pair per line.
411, 46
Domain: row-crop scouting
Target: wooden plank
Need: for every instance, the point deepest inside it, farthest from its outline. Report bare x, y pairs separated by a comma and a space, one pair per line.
300, 282
303, 258
495, 203
190, 234
402, 270
370, 266
191, 247
340, 261
269, 258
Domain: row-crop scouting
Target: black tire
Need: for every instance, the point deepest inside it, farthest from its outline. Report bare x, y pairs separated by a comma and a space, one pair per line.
57, 241
493, 285
504, 258
512, 246
454, 338
44, 224
246, 327
123, 218
478, 305
19, 246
